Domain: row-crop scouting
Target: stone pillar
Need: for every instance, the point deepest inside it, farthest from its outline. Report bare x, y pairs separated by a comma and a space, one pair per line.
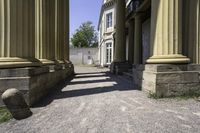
45, 31
191, 30
166, 32
120, 46
198, 31
138, 40
62, 30
66, 30
131, 42
17, 36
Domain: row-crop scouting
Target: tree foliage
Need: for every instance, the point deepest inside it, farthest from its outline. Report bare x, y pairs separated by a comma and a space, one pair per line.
85, 36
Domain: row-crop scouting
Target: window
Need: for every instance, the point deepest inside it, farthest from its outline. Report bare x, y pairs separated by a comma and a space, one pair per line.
108, 53
109, 20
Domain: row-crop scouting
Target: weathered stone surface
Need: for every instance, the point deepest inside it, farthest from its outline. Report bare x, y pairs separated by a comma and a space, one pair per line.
177, 77
14, 101
35, 82
165, 68
148, 86
194, 67
169, 80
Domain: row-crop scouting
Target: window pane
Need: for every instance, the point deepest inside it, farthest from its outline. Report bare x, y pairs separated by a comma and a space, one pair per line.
109, 20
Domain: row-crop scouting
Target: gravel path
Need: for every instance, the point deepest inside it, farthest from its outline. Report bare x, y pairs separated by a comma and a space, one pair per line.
97, 102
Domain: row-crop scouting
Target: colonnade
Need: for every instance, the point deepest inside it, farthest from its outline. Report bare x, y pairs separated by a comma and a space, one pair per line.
171, 42
33, 32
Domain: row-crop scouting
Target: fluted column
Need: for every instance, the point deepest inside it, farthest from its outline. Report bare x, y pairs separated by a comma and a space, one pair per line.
191, 30
198, 32
45, 31
66, 30
17, 38
131, 42
138, 40
166, 33
120, 45
62, 30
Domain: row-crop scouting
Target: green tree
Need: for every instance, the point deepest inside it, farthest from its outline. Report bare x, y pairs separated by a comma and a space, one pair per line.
85, 36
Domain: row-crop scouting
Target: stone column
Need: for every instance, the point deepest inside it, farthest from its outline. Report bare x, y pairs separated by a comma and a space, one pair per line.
131, 42
199, 31
120, 46
166, 32
45, 31
138, 40
17, 36
62, 30
190, 30
66, 30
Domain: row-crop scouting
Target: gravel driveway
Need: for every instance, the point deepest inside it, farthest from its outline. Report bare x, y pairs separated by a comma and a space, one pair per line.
97, 102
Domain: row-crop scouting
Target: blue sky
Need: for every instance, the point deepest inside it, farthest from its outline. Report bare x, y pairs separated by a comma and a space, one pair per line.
84, 10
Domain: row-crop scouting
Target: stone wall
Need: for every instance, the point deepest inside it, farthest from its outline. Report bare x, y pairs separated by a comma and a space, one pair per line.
86, 56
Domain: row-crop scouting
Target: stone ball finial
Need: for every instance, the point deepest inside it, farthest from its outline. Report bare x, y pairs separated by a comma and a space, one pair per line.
15, 102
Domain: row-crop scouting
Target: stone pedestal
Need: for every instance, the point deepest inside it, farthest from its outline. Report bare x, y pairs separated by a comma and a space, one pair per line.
34, 82
168, 80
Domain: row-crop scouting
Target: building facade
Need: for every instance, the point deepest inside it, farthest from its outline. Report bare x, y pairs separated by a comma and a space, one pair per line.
34, 46
159, 42
106, 31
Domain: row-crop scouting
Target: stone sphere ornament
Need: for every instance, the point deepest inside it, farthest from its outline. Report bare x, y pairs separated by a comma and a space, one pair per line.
15, 102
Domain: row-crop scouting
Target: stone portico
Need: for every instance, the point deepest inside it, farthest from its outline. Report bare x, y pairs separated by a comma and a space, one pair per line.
163, 45
34, 46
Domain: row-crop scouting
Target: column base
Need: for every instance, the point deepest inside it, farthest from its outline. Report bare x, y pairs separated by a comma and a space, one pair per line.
168, 59
168, 80
18, 62
34, 82
47, 62
119, 67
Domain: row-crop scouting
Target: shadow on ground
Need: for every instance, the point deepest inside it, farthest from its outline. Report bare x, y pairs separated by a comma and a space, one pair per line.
59, 93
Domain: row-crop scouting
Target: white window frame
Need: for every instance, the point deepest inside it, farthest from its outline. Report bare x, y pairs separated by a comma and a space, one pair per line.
110, 23
109, 52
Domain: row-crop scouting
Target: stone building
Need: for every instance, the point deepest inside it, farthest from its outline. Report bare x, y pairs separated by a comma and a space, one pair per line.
106, 31
158, 41
34, 45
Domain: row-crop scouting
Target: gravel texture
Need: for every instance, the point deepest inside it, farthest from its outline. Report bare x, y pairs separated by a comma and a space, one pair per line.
97, 102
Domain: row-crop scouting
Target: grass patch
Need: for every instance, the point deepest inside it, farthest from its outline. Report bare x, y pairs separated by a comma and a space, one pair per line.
186, 96
4, 115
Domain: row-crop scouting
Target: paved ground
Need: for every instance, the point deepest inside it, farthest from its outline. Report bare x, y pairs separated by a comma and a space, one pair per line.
96, 102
